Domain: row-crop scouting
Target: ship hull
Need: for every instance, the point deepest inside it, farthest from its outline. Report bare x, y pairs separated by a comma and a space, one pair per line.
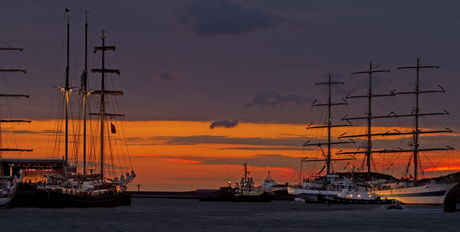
55, 199
311, 195
45, 199
4, 201
226, 194
430, 194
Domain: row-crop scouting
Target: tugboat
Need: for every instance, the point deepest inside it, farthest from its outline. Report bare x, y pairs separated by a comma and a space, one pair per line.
280, 190
245, 191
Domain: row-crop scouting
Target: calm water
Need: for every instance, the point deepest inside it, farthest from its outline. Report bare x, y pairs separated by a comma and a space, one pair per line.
191, 215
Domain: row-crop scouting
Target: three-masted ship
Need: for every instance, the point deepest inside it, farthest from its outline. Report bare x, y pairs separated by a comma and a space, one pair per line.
412, 190
83, 189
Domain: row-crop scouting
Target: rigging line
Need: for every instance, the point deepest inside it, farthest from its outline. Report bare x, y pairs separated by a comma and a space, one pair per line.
119, 152
408, 164
373, 163
92, 145
111, 153
120, 135
421, 167
429, 160
123, 136
58, 124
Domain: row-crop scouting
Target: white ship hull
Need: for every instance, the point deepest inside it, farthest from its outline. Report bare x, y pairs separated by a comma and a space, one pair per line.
4, 201
430, 194
311, 195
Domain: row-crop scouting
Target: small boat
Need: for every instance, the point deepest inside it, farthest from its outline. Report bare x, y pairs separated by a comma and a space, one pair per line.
395, 204
245, 191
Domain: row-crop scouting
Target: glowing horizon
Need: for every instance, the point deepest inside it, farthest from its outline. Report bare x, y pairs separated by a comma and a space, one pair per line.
188, 155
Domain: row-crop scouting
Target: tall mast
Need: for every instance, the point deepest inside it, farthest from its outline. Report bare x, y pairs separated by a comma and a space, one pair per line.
102, 113
329, 125
102, 105
369, 117
85, 92
416, 131
67, 95
2, 149
417, 114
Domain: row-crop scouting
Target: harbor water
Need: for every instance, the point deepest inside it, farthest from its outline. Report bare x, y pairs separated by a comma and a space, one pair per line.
155, 214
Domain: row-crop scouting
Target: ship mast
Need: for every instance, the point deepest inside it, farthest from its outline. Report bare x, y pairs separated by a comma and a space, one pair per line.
84, 85
2, 149
102, 113
416, 131
370, 95
67, 90
329, 126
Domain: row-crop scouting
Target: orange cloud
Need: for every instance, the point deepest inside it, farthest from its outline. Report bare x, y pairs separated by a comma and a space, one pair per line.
185, 161
445, 168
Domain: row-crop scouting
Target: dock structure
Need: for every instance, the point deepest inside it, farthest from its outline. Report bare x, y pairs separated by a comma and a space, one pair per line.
34, 170
452, 199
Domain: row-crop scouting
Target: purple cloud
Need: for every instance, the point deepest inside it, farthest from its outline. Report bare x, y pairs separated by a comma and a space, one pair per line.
224, 123
221, 17
274, 98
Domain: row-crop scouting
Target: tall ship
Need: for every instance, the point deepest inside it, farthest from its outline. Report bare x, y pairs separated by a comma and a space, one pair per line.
81, 186
411, 189
330, 184
9, 183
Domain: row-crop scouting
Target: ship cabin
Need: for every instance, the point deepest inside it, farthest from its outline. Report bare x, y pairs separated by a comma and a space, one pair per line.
33, 170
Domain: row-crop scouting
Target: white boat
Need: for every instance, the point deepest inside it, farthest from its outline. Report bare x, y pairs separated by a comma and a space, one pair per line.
269, 183
410, 190
9, 182
328, 186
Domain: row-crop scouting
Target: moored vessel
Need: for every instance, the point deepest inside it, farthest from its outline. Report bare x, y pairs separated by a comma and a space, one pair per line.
244, 191
411, 189
76, 187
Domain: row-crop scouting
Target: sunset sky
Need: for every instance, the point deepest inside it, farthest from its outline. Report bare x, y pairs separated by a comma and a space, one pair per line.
212, 84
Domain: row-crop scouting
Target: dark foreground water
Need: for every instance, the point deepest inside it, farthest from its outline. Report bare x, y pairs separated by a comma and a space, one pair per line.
150, 214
